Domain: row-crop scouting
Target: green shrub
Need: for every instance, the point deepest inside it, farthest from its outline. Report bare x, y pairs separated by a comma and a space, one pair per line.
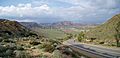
9, 52
6, 40
2, 49
1, 39
34, 43
11, 46
57, 54
43, 56
81, 36
43, 45
20, 48
101, 42
21, 54
9, 41
47, 47
5, 52
113, 44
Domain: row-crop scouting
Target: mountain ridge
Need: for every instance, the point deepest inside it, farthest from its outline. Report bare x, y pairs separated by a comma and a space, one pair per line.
105, 32
13, 29
30, 24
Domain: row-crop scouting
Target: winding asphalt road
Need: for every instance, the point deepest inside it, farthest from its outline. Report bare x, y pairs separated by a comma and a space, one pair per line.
93, 51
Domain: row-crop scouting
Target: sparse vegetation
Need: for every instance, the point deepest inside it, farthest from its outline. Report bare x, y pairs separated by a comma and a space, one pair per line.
68, 36
51, 33
35, 42
117, 35
107, 32
20, 42
57, 54
21, 54
81, 36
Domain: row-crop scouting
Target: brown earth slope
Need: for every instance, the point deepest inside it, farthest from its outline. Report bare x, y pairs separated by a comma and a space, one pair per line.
105, 32
12, 29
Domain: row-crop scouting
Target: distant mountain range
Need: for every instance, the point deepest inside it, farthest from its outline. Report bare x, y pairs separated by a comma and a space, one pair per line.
61, 24
55, 24
70, 24
30, 24
66, 23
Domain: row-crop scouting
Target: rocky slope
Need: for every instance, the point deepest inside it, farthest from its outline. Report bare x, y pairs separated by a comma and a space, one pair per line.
30, 24
105, 32
13, 29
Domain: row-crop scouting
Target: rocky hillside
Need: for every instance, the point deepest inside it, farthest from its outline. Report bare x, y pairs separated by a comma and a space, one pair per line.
13, 29
64, 24
30, 24
105, 32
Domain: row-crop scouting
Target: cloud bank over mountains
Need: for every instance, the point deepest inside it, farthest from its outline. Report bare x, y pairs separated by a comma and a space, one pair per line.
96, 11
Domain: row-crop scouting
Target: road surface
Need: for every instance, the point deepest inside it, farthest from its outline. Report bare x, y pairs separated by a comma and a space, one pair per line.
93, 51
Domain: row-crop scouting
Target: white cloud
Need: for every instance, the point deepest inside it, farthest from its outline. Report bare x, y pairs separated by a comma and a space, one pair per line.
24, 10
81, 9
25, 20
91, 8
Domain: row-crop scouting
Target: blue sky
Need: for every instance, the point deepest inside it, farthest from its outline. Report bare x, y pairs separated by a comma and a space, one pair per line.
85, 11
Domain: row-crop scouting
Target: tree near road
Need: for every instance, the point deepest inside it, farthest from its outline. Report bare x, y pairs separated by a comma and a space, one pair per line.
117, 34
81, 36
